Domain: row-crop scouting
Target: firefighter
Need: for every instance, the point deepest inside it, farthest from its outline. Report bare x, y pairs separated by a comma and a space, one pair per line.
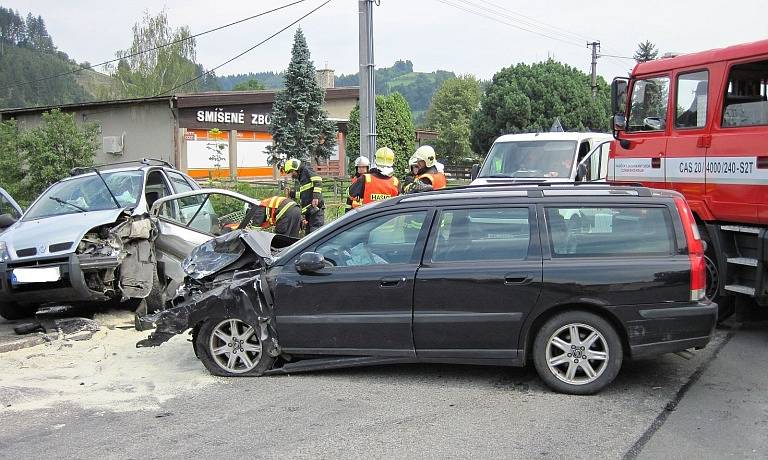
279, 212
428, 177
309, 196
361, 167
379, 184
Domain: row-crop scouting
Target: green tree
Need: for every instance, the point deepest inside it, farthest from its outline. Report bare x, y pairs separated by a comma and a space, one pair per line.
143, 73
300, 127
450, 112
394, 129
528, 98
38, 157
646, 51
249, 85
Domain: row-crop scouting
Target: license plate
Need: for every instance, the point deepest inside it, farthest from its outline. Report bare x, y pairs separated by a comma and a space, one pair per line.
35, 275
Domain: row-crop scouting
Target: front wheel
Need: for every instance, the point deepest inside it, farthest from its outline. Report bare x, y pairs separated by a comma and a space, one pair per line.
726, 304
577, 352
231, 347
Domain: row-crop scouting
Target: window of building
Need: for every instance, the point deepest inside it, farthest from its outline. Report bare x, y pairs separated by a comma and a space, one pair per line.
482, 234
648, 107
746, 97
607, 232
691, 100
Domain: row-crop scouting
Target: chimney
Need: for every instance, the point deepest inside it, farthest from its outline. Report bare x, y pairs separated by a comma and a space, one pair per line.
325, 78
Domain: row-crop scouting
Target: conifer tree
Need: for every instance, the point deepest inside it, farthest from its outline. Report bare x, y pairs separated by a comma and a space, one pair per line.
300, 127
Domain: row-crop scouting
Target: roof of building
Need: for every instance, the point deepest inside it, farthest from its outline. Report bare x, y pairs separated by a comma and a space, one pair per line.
742, 51
184, 100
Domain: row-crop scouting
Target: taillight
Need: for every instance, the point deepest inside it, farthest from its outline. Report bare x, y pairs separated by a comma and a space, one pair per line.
695, 251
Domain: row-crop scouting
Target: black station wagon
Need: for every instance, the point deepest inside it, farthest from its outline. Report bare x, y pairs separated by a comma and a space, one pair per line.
574, 279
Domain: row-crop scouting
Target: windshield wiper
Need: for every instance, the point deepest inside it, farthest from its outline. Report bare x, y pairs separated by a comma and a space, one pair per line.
498, 176
60, 201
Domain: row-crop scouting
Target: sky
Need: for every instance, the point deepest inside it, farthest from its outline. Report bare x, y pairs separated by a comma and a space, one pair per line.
431, 33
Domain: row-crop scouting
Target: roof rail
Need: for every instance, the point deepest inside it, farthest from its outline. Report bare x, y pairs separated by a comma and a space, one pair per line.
144, 161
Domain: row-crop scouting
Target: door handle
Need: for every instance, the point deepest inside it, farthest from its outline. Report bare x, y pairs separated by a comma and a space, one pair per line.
392, 282
516, 279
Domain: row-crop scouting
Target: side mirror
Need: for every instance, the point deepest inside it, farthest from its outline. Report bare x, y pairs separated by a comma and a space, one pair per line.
581, 172
619, 95
6, 220
474, 171
309, 262
619, 123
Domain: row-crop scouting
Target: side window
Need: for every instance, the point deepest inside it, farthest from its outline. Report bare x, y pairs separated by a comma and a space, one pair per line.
482, 234
388, 239
746, 101
156, 187
7, 208
597, 163
178, 182
691, 100
648, 107
212, 213
609, 232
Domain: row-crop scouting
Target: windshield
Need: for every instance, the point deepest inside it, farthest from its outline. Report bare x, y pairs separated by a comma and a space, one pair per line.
530, 159
88, 193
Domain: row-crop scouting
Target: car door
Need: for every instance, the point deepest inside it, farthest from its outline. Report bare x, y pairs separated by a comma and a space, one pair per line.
480, 277
361, 303
9, 209
187, 220
594, 167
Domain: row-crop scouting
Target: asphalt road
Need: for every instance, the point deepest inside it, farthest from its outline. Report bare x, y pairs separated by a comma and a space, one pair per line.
712, 406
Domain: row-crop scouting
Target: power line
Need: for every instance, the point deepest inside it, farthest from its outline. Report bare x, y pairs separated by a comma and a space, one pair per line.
493, 18
244, 52
81, 68
619, 57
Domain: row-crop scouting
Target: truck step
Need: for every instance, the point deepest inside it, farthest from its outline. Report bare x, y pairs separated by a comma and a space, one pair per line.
740, 289
740, 229
748, 261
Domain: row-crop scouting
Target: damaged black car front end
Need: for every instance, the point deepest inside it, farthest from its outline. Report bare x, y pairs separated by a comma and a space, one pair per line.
226, 279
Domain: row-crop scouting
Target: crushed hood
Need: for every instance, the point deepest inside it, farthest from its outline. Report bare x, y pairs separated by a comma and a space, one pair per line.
42, 233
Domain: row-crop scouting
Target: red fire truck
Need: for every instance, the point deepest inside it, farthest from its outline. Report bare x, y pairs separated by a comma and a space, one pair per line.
698, 124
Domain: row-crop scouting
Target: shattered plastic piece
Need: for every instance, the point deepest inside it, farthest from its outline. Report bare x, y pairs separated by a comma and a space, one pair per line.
71, 326
28, 328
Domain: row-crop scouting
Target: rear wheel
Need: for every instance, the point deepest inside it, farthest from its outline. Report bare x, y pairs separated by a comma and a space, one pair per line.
577, 352
726, 304
231, 347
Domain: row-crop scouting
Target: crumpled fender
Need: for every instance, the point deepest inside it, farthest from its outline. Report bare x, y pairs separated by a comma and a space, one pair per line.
242, 297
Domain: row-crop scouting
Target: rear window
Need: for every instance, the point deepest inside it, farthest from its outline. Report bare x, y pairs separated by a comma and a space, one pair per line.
482, 234
605, 232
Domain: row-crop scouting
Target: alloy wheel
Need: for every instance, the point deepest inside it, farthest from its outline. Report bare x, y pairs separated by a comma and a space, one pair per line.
235, 346
577, 354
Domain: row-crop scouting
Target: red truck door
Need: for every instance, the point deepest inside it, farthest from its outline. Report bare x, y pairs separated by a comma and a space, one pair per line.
689, 137
737, 161
641, 159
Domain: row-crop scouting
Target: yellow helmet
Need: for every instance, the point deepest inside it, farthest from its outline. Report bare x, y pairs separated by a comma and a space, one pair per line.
385, 157
425, 153
292, 164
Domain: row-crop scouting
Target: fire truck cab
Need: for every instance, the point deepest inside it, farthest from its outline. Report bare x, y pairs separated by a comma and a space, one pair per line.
698, 124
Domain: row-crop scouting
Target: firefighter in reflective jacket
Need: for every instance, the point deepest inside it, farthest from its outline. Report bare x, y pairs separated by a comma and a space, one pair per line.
379, 184
361, 167
310, 194
428, 176
279, 212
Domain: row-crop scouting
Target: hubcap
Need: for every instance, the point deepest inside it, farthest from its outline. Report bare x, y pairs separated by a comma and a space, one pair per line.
713, 279
235, 346
577, 354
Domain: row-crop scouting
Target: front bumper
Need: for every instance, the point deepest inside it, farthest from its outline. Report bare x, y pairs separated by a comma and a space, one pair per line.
71, 287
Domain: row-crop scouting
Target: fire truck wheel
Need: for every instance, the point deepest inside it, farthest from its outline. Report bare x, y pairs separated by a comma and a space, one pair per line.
726, 304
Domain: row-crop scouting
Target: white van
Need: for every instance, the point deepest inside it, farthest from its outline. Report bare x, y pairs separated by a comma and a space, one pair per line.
545, 157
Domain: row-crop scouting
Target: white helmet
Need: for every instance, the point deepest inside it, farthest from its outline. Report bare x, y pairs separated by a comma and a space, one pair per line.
425, 153
362, 161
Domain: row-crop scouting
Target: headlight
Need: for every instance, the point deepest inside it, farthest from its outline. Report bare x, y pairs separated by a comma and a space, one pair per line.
4, 255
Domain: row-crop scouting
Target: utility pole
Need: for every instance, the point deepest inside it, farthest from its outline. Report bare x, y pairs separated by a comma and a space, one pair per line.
367, 81
595, 49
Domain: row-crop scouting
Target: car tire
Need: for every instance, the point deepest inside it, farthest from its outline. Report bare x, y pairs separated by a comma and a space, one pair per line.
560, 360
12, 311
230, 347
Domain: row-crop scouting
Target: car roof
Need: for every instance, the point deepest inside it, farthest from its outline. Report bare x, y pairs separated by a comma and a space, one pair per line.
559, 136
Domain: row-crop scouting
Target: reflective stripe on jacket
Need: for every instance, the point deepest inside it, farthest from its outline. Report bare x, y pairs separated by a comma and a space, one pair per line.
274, 209
437, 179
377, 188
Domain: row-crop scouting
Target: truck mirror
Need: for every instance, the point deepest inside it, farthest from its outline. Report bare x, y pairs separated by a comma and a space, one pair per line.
619, 123
619, 95
474, 171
